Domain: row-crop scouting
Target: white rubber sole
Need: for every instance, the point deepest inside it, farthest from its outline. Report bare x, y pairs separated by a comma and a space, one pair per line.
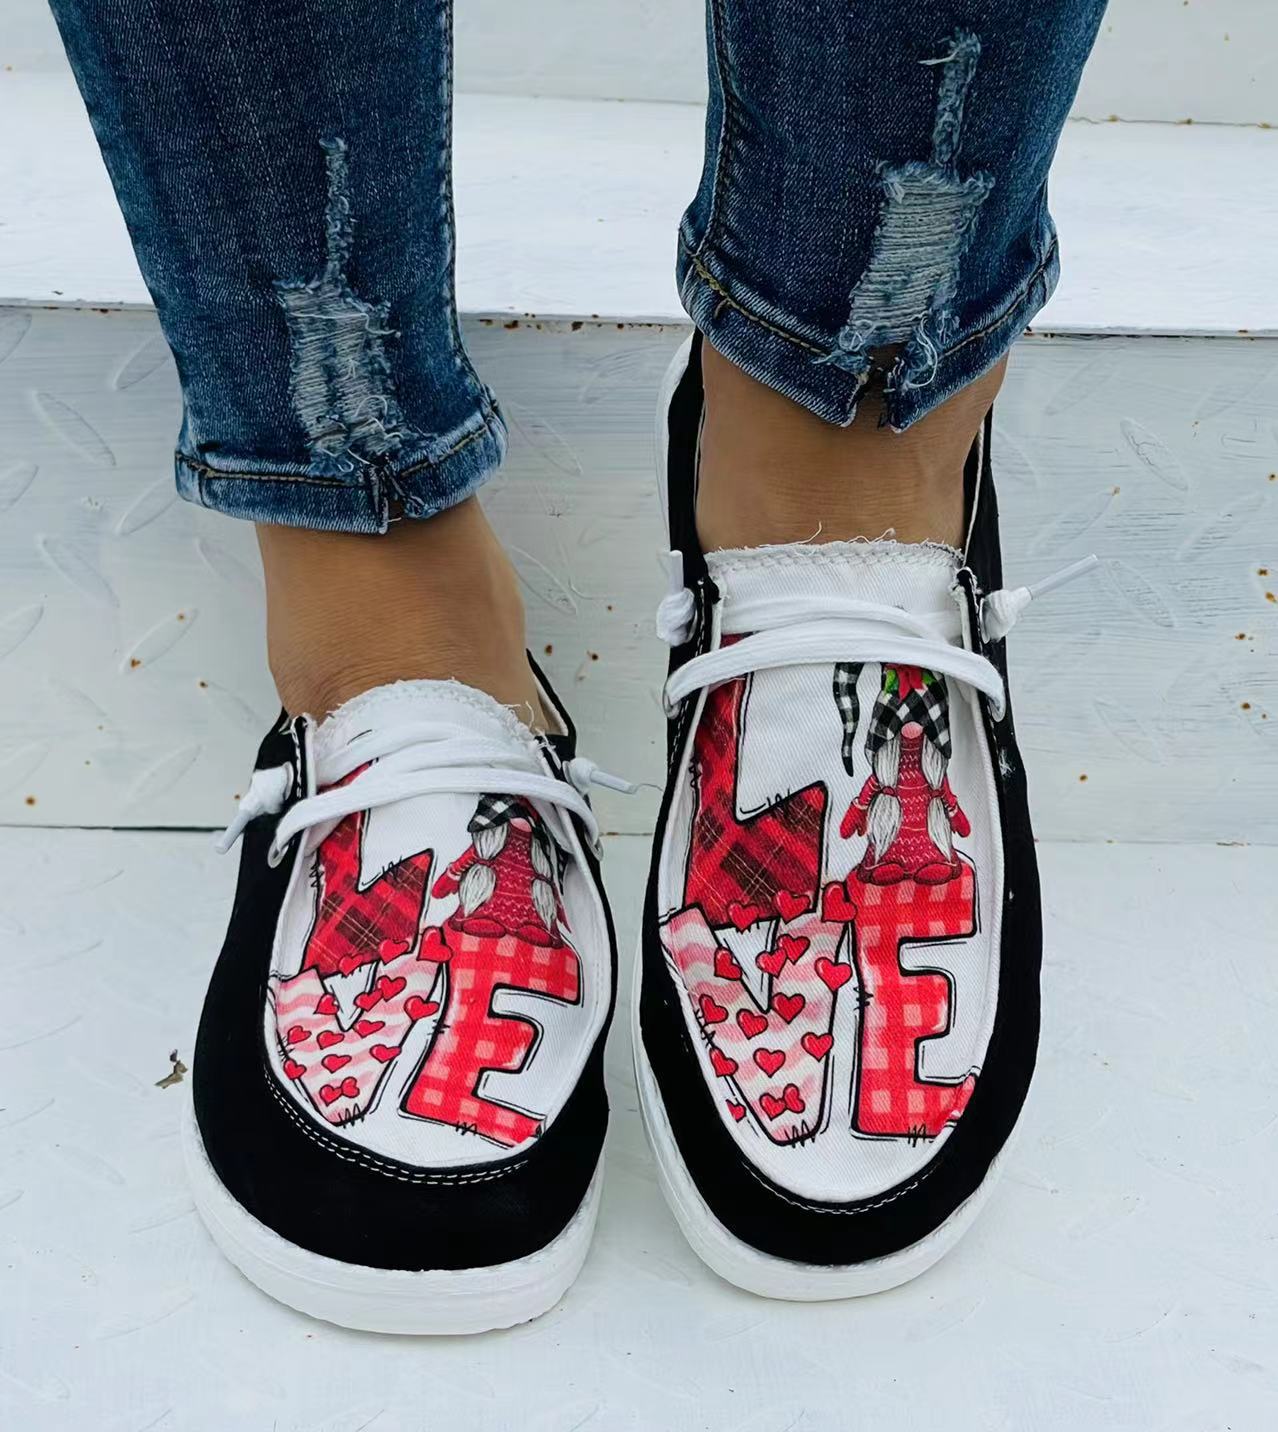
762, 1273
381, 1300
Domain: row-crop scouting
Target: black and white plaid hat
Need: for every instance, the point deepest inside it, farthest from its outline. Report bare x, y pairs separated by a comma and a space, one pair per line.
495, 810
930, 707
845, 698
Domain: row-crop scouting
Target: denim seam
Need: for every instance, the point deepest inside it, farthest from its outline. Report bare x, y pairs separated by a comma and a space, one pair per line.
725, 124
1018, 298
204, 470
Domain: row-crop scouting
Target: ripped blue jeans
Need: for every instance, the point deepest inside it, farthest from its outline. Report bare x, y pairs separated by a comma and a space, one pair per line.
873, 206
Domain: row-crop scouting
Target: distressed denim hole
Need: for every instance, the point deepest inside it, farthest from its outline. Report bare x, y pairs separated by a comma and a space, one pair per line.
904, 298
340, 377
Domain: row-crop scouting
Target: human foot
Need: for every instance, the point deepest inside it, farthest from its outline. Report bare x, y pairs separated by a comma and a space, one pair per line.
432, 600
772, 472
398, 1080
837, 1017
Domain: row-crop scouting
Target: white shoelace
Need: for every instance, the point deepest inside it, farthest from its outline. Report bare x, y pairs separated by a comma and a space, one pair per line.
418, 759
784, 632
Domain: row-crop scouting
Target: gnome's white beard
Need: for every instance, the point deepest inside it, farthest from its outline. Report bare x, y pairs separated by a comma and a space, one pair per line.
479, 882
938, 819
883, 819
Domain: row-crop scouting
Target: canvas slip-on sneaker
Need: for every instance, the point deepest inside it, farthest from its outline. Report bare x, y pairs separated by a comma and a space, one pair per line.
838, 1008
398, 1108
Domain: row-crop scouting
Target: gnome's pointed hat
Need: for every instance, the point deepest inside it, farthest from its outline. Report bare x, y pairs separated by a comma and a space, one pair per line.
910, 693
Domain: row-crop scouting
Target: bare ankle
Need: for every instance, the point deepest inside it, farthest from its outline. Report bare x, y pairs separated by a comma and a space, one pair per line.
432, 600
772, 472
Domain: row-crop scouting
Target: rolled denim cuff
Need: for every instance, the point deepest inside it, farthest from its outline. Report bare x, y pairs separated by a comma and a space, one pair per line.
776, 349
424, 479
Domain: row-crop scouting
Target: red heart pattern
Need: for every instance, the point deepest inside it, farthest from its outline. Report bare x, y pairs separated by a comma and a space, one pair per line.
737, 1111
769, 1060
792, 948
391, 950
836, 906
334, 1062
326, 1038
293, 1070
752, 1025
415, 1007
833, 976
365, 1027
771, 962
712, 1012
434, 946
790, 905
327, 1004
725, 965
384, 1053
721, 1064
743, 915
788, 1006
817, 1045
368, 999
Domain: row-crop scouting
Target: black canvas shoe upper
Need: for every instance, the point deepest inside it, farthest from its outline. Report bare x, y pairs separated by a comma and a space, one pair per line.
400, 1058
841, 937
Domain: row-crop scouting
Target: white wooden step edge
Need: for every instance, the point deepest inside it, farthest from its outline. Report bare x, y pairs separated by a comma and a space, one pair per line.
568, 208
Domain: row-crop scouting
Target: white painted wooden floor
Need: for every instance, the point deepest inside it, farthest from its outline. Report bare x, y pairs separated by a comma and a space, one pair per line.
1123, 1278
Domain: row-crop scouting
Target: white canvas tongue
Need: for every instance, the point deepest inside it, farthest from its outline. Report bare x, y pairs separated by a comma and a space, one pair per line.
915, 576
405, 702
437, 822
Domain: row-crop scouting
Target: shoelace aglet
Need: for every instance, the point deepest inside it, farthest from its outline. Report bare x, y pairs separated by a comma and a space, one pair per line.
1066, 574
1001, 610
677, 609
583, 773
267, 792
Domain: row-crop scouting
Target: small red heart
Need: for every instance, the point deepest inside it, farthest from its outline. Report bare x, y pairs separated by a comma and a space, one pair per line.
793, 947
751, 1024
831, 975
365, 1027
334, 1062
326, 1038
330, 1092
769, 1060
348, 964
293, 1069
789, 905
418, 1008
736, 1110
327, 1004
793, 1099
771, 962
383, 1053
711, 1012
722, 1065
434, 946
772, 1106
835, 904
788, 1006
393, 949
350, 1087
388, 988
817, 1045
725, 965
296, 1034
743, 915
367, 1000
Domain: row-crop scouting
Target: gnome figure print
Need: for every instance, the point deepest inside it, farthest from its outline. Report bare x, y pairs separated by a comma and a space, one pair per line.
906, 807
